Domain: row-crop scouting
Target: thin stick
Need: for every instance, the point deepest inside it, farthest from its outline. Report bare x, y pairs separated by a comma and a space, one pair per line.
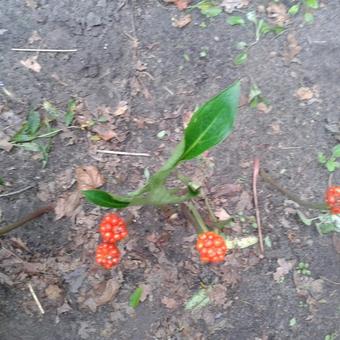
16, 192
330, 281
291, 196
6, 229
196, 216
125, 153
41, 309
42, 50
256, 202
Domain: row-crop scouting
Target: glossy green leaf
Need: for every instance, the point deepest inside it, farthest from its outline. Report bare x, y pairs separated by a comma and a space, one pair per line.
304, 219
105, 199
241, 58
241, 45
198, 300
135, 297
30, 146
322, 158
211, 123
69, 115
235, 20
294, 9
332, 165
312, 3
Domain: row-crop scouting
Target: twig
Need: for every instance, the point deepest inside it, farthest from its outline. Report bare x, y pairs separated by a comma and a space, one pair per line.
41, 309
16, 192
6, 229
330, 281
124, 153
256, 202
196, 216
42, 50
291, 196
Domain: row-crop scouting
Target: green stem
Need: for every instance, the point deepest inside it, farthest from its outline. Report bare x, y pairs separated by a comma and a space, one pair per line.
197, 216
290, 195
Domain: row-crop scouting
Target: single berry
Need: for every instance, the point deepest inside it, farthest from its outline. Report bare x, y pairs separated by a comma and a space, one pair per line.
107, 255
113, 228
332, 199
211, 247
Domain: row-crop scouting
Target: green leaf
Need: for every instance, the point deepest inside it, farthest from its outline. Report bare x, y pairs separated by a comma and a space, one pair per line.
294, 9
211, 123
135, 297
2, 181
336, 151
305, 220
69, 115
312, 3
254, 93
104, 199
235, 20
332, 165
30, 146
322, 158
33, 122
198, 300
208, 9
308, 18
241, 58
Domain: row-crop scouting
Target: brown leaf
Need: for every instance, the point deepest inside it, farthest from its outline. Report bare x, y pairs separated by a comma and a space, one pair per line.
88, 177
293, 48
244, 203
277, 12
67, 206
231, 5
263, 107
169, 302
111, 289
180, 4
218, 294
104, 133
121, 108
53, 292
304, 93
182, 21
31, 63
283, 269
5, 142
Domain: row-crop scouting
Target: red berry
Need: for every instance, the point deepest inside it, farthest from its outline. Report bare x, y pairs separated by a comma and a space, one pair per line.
212, 247
107, 255
113, 228
332, 199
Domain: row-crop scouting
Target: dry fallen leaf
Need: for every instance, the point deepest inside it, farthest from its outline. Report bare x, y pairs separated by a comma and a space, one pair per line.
53, 292
5, 142
31, 63
218, 294
231, 5
277, 12
121, 108
67, 206
34, 37
169, 302
88, 177
283, 269
111, 289
263, 107
180, 4
293, 48
221, 214
182, 21
104, 133
304, 93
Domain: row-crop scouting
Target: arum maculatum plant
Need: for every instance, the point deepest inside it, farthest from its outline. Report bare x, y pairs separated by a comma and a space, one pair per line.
210, 125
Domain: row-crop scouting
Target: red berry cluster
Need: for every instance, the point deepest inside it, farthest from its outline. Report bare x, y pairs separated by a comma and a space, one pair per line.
333, 199
112, 229
211, 247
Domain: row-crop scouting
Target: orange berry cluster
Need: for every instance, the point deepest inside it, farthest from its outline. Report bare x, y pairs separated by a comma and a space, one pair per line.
333, 199
211, 247
112, 229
